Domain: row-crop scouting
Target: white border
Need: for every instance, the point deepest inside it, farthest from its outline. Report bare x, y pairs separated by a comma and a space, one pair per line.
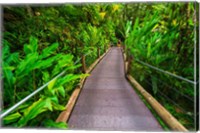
84, 1
1, 60
13, 2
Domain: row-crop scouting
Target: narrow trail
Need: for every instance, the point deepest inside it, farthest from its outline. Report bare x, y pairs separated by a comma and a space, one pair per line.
108, 102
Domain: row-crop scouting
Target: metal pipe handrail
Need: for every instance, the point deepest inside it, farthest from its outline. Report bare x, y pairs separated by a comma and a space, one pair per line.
28, 97
35, 92
166, 72
175, 89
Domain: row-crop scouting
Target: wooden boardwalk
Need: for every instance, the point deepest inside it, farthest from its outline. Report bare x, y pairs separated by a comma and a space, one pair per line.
108, 102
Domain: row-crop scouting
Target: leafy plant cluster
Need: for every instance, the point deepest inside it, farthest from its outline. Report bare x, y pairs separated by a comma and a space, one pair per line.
162, 35
21, 78
39, 42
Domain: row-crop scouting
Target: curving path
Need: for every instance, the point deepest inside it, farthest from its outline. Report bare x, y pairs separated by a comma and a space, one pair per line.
108, 102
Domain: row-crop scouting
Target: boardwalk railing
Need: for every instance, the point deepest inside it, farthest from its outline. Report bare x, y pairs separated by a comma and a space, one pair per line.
14, 107
170, 120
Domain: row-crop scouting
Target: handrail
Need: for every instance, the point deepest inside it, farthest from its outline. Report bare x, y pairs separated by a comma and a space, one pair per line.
28, 97
35, 92
166, 72
175, 89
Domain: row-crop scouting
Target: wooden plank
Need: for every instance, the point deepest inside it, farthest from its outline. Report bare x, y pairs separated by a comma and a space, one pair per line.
170, 120
64, 115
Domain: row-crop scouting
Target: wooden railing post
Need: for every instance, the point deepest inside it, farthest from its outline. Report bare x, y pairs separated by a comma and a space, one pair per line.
83, 64
123, 48
126, 53
98, 52
130, 61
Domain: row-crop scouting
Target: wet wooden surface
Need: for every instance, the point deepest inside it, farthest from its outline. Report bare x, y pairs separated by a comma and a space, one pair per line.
108, 102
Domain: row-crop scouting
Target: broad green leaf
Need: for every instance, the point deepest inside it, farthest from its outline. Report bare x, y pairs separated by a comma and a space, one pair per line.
73, 67
46, 76
33, 43
67, 78
65, 60
23, 107
141, 77
27, 65
154, 84
32, 46
43, 64
136, 24
52, 124
149, 50
48, 51
27, 49
54, 99
34, 110
11, 118
57, 106
13, 58
49, 104
61, 90
8, 75
6, 49
51, 84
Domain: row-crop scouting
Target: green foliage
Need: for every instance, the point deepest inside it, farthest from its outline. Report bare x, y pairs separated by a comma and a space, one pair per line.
35, 109
12, 118
162, 35
47, 64
154, 85
40, 42
51, 124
